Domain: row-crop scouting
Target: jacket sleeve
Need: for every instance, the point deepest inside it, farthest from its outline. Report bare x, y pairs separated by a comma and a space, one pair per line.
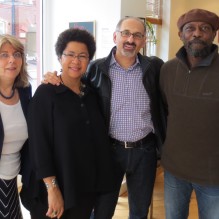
26, 166
40, 129
162, 88
157, 64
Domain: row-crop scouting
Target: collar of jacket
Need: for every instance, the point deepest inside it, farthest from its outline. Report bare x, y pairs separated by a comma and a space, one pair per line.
182, 55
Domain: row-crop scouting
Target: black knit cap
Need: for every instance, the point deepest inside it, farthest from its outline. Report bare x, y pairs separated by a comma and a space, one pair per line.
199, 15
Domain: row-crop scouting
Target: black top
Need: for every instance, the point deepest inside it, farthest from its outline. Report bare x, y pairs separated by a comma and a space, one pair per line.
68, 139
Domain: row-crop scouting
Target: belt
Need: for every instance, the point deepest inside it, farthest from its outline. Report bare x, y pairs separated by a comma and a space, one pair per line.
136, 144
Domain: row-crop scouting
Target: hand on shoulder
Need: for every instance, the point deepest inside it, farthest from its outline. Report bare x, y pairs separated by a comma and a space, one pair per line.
51, 78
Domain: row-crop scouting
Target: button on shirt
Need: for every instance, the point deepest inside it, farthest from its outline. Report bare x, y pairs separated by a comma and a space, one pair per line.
130, 104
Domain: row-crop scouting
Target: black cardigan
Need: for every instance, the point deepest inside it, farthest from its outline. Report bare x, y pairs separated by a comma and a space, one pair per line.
68, 139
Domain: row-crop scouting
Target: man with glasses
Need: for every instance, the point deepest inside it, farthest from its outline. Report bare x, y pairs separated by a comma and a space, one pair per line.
127, 85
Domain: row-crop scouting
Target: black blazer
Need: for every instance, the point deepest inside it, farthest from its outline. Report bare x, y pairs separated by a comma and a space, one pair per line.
68, 139
25, 95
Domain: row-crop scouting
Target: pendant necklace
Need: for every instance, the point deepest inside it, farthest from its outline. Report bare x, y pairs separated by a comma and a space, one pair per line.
8, 97
82, 86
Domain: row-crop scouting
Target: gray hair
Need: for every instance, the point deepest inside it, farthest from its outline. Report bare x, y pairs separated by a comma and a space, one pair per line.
118, 26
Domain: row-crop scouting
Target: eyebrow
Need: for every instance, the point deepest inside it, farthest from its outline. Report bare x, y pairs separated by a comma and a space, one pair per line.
5, 51
76, 52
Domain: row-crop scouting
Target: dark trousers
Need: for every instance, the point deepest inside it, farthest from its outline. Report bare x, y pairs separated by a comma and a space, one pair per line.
139, 165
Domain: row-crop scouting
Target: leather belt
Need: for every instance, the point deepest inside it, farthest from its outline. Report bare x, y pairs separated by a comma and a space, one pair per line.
136, 144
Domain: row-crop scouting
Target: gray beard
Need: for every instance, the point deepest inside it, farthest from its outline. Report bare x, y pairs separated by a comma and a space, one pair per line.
128, 54
201, 53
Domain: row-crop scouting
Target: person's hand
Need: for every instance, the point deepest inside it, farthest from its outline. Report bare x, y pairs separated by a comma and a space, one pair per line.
55, 203
51, 78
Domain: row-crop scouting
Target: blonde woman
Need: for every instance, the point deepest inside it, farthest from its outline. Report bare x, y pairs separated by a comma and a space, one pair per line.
15, 93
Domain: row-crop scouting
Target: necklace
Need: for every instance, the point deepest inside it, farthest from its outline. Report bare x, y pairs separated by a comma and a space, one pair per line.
8, 97
81, 88
61, 80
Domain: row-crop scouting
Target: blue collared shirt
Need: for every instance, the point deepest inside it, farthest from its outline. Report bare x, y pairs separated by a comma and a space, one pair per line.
130, 104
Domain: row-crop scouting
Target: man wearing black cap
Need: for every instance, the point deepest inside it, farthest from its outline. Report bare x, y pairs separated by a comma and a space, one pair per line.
190, 88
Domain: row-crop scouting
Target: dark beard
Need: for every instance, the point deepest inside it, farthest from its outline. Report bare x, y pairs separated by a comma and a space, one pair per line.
205, 51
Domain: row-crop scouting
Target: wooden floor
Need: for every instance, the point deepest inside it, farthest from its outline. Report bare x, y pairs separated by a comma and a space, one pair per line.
158, 202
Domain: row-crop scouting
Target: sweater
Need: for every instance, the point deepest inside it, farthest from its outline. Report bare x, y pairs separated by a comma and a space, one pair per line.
191, 97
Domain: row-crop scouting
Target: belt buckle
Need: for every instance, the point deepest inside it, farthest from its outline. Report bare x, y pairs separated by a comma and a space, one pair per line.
126, 145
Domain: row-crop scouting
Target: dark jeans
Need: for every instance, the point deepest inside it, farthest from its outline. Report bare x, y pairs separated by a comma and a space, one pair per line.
139, 165
177, 193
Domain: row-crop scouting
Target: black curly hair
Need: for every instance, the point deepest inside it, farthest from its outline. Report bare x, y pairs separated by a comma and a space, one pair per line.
78, 35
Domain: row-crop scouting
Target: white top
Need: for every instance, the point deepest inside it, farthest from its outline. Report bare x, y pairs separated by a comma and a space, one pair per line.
15, 134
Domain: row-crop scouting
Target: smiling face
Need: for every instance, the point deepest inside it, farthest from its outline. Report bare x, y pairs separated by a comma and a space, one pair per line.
197, 38
74, 60
129, 45
10, 62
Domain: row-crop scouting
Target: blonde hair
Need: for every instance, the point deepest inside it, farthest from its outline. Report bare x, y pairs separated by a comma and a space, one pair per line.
22, 78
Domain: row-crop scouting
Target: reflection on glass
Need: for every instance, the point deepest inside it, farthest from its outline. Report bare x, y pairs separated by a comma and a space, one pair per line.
19, 18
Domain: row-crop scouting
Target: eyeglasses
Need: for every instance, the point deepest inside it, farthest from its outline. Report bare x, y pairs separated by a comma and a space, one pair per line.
5, 56
127, 34
80, 57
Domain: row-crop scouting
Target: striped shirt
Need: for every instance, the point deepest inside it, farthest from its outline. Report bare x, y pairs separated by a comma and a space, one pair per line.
130, 104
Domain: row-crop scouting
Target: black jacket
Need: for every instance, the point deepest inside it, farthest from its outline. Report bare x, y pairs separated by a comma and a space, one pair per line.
24, 95
98, 77
68, 139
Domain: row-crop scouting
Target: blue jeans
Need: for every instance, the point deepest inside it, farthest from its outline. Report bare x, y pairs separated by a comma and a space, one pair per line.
139, 165
177, 193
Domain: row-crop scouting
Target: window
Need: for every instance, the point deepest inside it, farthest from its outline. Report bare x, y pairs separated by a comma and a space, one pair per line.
2, 26
21, 19
154, 8
153, 20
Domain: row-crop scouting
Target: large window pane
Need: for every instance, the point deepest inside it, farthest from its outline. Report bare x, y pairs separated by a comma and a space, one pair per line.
21, 19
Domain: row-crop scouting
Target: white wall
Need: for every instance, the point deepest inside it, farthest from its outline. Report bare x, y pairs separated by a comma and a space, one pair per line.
136, 8
163, 32
58, 13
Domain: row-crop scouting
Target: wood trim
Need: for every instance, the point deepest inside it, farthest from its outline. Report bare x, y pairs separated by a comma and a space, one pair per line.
157, 21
